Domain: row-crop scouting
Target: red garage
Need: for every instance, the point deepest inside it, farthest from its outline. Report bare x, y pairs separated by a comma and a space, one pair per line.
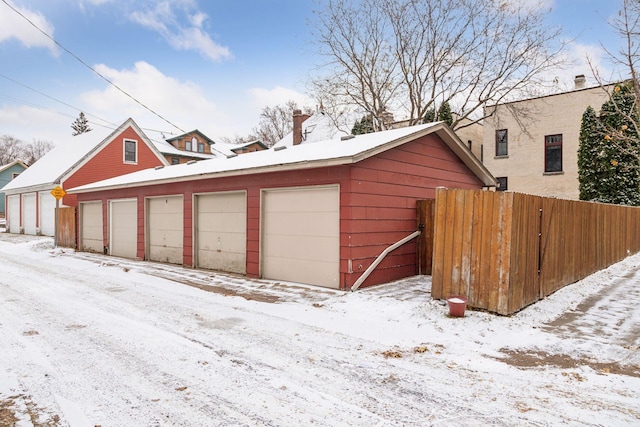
315, 213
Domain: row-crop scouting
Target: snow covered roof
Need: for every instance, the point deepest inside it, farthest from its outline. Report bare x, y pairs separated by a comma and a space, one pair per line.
15, 162
319, 127
329, 153
52, 168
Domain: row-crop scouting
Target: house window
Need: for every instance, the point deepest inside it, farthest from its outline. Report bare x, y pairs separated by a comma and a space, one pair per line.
187, 145
130, 151
200, 147
175, 161
502, 183
553, 153
501, 142
194, 144
14, 175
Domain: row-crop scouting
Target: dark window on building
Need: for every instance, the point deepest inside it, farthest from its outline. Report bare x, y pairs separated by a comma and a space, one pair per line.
553, 153
175, 161
502, 142
200, 147
187, 145
130, 151
502, 183
14, 175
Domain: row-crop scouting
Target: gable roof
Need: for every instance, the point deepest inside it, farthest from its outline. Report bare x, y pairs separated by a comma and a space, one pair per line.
14, 163
329, 153
68, 156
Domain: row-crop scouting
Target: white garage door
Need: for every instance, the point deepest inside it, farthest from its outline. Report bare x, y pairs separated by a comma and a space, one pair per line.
14, 214
301, 235
29, 214
91, 235
221, 231
123, 228
47, 214
165, 235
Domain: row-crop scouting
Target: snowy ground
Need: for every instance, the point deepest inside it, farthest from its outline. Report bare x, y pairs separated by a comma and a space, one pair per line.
90, 340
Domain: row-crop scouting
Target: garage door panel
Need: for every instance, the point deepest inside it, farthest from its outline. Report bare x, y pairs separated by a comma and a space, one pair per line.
222, 203
92, 227
165, 221
313, 223
221, 241
310, 272
123, 227
297, 248
29, 214
47, 214
301, 235
14, 214
315, 200
232, 242
223, 221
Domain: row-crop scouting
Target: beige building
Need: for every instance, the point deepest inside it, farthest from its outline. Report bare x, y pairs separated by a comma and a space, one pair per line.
531, 146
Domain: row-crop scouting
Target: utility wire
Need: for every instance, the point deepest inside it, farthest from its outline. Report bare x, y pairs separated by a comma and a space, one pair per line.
90, 67
55, 99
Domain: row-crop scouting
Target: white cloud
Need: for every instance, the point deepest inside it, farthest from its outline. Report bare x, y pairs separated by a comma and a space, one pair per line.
181, 103
181, 28
14, 26
277, 96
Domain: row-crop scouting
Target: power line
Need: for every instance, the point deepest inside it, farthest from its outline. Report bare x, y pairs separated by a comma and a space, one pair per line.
55, 99
91, 68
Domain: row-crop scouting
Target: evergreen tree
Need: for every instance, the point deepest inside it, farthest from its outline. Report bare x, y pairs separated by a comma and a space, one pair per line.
429, 116
80, 125
608, 156
444, 113
588, 164
365, 125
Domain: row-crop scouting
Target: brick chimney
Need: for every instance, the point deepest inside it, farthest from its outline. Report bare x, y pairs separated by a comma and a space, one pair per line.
298, 118
580, 81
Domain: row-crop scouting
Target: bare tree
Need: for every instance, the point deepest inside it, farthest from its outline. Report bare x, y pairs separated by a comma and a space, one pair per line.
275, 122
10, 149
627, 61
35, 150
413, 55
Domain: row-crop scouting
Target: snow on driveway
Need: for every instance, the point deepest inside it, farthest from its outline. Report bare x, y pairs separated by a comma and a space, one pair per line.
91, 340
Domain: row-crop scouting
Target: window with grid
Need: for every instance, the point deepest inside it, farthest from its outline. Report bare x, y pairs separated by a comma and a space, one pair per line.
130, 151
553, 153
502, 141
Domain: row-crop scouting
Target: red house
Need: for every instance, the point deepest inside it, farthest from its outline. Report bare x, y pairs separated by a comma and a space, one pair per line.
313, 213
85, 158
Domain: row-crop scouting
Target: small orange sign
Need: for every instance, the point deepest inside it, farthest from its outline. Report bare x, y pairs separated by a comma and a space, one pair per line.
58, 192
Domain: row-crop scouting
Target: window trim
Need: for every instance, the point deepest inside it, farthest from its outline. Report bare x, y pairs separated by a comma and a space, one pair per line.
201, 147
505, 142
124, 151
548, 145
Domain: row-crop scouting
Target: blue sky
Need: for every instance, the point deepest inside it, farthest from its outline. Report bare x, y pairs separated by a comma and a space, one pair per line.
206, 64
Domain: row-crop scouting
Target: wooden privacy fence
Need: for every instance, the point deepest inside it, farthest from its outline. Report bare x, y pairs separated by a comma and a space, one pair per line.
504, 250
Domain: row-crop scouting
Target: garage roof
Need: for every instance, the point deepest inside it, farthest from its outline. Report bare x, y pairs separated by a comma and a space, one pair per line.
328, 153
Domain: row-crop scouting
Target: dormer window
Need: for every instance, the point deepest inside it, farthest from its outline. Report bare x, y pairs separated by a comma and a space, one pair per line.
194, 143
187, 145
201, 147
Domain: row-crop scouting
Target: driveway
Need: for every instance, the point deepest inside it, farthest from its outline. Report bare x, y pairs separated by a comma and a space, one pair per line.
92, 340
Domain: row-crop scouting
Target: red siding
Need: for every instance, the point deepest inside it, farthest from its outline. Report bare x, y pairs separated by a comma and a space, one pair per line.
377, 204
109, 162
381, 206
